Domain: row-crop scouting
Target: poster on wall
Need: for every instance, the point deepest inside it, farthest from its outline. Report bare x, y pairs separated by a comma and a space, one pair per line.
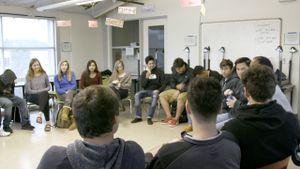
66, 47
190, 40
291, 38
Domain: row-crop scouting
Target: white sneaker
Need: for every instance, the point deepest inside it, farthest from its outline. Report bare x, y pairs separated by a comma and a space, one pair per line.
4, 133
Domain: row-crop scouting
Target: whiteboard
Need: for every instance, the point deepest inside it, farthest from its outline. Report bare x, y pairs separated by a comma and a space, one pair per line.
246, 38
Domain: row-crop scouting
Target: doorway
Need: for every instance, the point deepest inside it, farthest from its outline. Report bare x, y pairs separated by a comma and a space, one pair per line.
154, 41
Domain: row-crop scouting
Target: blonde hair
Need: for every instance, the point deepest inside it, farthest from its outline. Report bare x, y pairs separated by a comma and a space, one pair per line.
68, 71
30, 72
115, 72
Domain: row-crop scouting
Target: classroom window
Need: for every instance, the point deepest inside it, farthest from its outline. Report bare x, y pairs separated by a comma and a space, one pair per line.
23, 39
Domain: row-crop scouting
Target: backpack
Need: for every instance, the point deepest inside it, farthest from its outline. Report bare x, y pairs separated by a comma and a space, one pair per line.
60, 123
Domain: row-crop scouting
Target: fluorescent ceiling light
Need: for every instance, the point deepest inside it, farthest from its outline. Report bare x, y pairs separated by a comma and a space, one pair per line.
59, 5
88, 2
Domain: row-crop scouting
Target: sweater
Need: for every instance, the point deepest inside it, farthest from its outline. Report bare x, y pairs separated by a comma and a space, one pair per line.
37, 84
86, 81
266, 134
156, 81
63, 85
119, 154
219, 152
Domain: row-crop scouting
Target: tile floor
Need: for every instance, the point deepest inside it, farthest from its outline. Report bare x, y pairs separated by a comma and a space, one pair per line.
24, 149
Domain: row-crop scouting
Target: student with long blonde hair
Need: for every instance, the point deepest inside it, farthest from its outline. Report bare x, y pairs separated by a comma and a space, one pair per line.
37, 87
120, 80
65, 86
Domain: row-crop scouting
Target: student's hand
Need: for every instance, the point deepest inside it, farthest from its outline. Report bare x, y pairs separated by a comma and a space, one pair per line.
228, 92
148, 74
156, 92
180, 86
230, 102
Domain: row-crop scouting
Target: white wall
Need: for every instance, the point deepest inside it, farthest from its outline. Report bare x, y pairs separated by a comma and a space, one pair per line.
86, 42
185, 21
180, 23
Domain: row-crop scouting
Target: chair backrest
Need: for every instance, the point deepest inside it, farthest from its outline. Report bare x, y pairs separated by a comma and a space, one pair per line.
282, 164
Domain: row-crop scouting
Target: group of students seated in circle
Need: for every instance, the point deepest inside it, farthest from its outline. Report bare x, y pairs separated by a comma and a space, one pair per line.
259, 131
37, 86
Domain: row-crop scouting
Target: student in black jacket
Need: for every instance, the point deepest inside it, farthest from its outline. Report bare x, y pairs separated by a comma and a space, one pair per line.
265, 131
181, 76
153, 82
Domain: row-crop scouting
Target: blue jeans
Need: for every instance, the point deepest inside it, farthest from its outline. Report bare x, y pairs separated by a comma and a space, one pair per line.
137, 102
7, 103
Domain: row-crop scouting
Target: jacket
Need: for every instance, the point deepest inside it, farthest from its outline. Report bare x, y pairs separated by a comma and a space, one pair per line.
266, 133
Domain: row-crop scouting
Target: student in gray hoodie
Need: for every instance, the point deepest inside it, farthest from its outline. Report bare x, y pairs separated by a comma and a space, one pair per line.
95, 109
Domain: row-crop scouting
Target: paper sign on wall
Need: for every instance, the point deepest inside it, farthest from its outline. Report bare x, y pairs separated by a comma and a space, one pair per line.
114, 22
291, 38
190, 40
93, 24
130, 10
63, 23
190, 3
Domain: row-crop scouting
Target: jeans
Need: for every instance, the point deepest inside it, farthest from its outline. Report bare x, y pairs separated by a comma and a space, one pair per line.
7, 103
137, 102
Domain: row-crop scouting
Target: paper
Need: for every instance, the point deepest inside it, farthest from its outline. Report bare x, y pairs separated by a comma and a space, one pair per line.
114, 22
291, 38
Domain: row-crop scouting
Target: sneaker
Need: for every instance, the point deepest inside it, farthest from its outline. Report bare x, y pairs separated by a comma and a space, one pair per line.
8, 129
173, 123
27, 126
136, 120
149, 121
166, 121
4, 133
188, 128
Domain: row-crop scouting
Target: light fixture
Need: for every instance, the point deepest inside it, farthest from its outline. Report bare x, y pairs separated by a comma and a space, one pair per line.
88, 2
206, 49
187, 50
222, 49
61, 4
279, 49
293, 50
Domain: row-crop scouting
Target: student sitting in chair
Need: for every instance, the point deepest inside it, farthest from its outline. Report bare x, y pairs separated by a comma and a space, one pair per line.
153, 82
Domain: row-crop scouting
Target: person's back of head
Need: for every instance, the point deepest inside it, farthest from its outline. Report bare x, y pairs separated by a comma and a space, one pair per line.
259, 82
204, 98
262, 60
94, 110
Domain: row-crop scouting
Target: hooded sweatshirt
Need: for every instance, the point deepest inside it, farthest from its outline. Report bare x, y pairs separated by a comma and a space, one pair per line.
266, 134
82, 155
7, 83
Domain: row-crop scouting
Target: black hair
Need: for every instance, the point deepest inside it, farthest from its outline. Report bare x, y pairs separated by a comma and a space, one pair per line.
148, 58
95, 108
205, 97
264, 61
178, 62
245, 60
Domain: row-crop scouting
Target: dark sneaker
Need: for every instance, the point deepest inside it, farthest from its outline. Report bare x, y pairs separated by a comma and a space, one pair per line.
149, 121
136, 120
27, 126
8, 129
